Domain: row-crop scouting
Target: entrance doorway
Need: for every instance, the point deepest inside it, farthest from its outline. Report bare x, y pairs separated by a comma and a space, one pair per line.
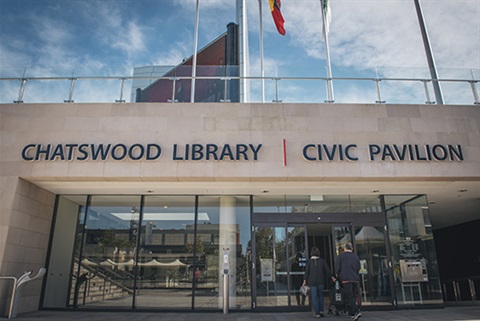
283, 248
369, 244
279, 263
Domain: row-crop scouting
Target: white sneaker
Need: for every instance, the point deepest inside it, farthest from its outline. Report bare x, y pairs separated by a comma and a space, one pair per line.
356, 316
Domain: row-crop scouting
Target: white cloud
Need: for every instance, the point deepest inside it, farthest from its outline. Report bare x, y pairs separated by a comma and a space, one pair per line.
454, 29
214, 15
132, 41
112, 28
13, 53
206, 3
362, 34
51, 30
111, 37
367, 34
175, 55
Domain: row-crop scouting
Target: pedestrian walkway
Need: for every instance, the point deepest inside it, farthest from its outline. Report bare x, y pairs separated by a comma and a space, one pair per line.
470, 313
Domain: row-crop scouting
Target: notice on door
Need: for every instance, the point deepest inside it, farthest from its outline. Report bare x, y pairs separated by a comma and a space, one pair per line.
266, 269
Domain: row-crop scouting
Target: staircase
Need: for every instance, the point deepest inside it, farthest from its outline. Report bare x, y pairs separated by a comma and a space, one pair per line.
98, 288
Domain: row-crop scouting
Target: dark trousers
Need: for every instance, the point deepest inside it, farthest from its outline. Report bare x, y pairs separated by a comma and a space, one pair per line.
350, 291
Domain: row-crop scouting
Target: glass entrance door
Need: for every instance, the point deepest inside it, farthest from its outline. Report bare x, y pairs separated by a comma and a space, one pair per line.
369, 244
279, 264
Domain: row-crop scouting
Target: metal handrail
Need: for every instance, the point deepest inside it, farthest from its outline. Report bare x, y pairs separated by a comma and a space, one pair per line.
18, 283
14, 288
457, 290
377, 80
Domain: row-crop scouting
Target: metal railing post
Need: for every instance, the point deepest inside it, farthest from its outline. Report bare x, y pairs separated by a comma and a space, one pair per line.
12, 299
473, 84
70, 95
327, 90
121, 100
456, 291
471, 285
379, 97
20, 93
174, 99
445, 296
476, 100
427, 94
276, 91
225, 100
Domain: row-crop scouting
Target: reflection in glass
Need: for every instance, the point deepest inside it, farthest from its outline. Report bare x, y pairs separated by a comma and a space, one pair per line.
133, 252
369, 245
106, 265
341, 236
414, 258
271, 258
370, 248
165, 258
316, 204
297, 258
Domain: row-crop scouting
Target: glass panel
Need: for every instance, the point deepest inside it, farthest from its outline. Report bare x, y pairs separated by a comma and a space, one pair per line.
272, 287
269, 204
166, 252
298, 257
365, 203
316, 204
226, 232
370, 248
70, 211
108, 253
413, 250
341, 236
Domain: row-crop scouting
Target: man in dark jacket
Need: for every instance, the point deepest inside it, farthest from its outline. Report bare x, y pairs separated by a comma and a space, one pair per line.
347, 269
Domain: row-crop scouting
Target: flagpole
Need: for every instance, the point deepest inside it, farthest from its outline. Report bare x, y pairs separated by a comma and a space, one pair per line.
194, 63
330, 96
428, 50
262, 71
243, 51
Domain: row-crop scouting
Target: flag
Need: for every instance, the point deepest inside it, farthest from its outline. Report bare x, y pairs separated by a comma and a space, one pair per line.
277, 15
327, 15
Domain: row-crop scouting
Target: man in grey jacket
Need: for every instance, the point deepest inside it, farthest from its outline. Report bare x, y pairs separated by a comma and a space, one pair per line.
347, 269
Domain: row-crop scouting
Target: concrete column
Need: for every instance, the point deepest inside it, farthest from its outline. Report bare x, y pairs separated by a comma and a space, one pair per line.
228, 240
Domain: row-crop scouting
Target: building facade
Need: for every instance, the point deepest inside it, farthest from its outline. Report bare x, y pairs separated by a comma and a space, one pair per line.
152, 205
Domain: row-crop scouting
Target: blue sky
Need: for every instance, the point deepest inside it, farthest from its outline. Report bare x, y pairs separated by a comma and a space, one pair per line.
111, 37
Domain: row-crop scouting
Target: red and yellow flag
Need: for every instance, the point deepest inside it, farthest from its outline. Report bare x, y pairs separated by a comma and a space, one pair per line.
277, 15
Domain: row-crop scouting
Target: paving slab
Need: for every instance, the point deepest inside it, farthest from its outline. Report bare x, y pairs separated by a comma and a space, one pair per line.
465, 313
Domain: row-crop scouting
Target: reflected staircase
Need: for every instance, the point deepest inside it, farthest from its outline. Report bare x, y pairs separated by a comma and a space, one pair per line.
99, 286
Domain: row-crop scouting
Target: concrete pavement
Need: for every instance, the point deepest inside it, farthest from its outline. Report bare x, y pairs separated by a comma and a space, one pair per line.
466, 313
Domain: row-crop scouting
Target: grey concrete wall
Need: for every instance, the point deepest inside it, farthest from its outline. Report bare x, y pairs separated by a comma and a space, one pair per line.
25, 220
